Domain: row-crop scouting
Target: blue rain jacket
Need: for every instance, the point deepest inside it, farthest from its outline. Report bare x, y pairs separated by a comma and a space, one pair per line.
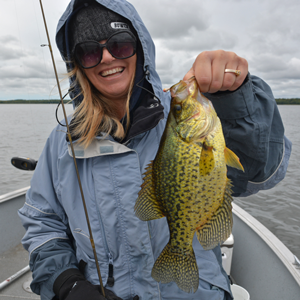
57, 235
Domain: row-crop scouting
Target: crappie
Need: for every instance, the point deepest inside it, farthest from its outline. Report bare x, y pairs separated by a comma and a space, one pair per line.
187, 184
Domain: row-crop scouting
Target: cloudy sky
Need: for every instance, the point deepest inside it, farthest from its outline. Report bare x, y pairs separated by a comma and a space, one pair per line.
265, 32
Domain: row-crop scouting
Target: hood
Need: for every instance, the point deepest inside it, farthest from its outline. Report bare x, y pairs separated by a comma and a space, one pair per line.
145, 59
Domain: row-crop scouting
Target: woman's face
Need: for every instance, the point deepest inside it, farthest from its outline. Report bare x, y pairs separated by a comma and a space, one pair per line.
112, 76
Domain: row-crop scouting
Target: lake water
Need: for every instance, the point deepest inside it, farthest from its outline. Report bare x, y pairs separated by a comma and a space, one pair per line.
25, 128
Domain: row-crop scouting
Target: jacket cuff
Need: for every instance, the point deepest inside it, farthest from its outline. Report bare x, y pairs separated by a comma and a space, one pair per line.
276, 177
234, 105
66, 280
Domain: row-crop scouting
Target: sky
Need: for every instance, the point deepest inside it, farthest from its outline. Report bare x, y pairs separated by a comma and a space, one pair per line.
265, 32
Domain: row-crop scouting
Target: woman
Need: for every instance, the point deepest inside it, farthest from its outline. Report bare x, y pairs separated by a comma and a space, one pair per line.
119, 119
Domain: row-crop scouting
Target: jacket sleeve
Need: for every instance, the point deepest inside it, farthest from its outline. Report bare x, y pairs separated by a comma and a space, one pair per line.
47, 238
254, 131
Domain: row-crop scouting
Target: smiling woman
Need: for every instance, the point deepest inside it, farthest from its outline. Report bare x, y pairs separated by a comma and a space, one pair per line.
104, 70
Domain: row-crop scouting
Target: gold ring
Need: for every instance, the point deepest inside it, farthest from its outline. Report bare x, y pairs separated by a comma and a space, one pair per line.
236, 72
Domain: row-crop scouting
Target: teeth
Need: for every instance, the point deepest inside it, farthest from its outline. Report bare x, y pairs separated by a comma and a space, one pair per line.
111, 72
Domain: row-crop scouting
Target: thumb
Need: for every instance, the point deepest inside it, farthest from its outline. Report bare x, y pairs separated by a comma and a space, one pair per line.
189, 74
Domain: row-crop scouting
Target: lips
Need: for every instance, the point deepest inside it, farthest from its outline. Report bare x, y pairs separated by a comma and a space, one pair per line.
111, 72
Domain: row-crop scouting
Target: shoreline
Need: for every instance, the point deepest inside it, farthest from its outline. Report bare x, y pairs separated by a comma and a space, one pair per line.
33, 101
279, 101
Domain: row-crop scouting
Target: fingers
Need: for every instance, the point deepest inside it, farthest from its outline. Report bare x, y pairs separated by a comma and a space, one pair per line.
201, 69
209, 68
219, 62
242, 65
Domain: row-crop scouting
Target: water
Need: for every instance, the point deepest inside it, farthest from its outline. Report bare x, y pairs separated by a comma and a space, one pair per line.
279, 208
25, 128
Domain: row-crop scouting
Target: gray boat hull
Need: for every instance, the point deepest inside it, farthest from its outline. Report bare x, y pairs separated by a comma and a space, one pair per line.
260, 262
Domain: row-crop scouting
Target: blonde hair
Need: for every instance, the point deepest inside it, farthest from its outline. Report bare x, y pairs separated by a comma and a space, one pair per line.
96, 114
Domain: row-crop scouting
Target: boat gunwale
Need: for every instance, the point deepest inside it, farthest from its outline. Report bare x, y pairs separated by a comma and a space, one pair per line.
281, 251
13, 195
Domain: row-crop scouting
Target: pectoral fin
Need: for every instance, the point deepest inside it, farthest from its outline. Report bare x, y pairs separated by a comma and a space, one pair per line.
147, 207
232, 160
207, 160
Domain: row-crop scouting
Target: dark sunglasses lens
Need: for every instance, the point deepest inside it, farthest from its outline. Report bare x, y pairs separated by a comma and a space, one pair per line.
121, 45
88, 54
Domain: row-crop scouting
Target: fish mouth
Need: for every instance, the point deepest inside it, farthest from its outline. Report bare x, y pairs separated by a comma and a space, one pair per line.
112, 72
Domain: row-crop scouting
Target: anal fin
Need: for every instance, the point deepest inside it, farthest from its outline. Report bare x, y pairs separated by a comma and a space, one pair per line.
218, 228
147, 206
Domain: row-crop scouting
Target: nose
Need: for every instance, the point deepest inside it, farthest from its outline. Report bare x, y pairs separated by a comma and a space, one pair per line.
106, 56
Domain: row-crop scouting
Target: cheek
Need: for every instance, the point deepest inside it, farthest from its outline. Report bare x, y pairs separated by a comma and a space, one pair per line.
88, 73
132, 63
94, 79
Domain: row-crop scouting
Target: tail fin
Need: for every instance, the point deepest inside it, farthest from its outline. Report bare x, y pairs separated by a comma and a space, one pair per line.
175, 265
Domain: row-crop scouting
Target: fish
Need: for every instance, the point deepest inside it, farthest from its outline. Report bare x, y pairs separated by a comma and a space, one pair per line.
187, 183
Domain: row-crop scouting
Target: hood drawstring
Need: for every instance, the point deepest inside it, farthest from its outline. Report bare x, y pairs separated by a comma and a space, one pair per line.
147, 73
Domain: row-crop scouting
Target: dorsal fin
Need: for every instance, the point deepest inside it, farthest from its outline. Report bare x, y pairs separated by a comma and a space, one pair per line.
147, 207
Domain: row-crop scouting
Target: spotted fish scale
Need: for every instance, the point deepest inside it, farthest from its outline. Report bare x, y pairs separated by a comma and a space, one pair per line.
187, 184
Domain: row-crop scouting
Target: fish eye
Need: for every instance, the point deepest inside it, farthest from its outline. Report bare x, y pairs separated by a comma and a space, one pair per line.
177, 108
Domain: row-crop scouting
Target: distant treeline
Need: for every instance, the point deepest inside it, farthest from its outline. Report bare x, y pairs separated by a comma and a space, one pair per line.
21, 101
288, 101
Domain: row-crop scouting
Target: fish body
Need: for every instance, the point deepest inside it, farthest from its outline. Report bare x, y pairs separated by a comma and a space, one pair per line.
187, 184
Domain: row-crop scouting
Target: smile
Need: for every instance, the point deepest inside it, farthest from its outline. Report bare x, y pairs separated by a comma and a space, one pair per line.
111, 72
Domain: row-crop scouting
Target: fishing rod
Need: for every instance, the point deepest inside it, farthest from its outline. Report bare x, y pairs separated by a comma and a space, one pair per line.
73, 154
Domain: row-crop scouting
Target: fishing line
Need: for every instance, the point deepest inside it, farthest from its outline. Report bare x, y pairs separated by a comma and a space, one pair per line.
56, 112
45, 65
74, 158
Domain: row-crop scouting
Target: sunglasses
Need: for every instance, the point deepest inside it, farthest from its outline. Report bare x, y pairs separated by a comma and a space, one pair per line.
120, 45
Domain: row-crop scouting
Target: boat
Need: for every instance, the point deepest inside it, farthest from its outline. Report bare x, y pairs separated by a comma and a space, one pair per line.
256, 260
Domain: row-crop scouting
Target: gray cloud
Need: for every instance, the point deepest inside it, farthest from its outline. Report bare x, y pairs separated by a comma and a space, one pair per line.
284, 89
265, 32
8, 39
6, 53
172, 66
274, 67
273, 46
198, 41
10, 48
29, 67
28, 88
275, 29
171, 18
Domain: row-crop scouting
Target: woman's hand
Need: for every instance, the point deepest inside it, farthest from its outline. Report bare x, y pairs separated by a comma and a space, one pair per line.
85, 290
209, 70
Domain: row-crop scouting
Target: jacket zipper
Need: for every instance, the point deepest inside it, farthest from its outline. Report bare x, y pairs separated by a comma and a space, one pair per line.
110, 278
